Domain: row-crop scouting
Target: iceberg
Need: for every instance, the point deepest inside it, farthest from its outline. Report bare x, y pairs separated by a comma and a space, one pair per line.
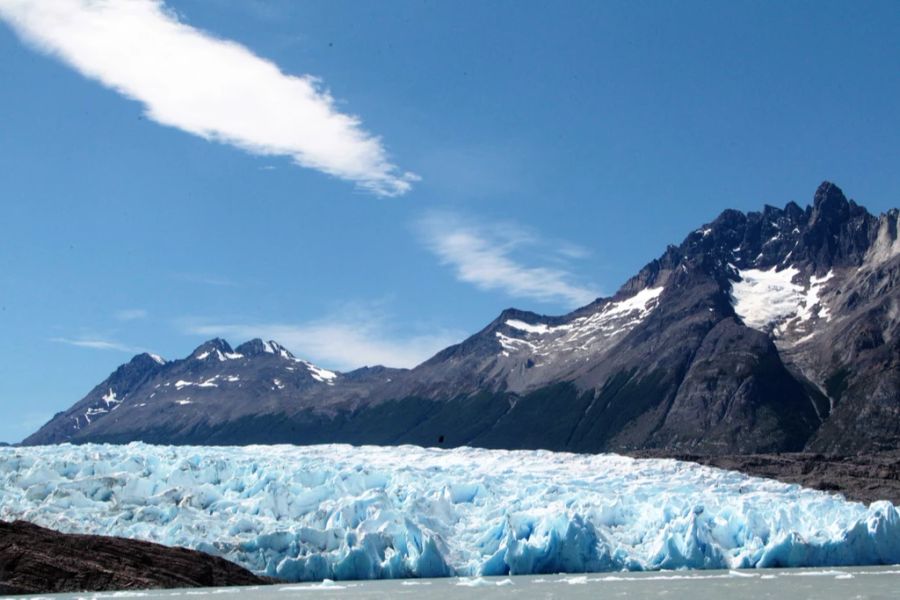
337, 512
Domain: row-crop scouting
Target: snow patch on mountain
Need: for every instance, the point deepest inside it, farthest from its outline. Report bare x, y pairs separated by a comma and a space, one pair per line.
523, 326
770, 300
208, 383
93, 412
109, 398
221, 356
579, 334
320, 374
764, 297
812, 296
110, 402
342, 512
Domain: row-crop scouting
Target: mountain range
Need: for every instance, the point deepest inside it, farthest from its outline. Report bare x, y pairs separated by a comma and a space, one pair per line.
770, 331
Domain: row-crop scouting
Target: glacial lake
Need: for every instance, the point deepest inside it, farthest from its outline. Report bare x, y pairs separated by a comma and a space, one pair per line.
813, 584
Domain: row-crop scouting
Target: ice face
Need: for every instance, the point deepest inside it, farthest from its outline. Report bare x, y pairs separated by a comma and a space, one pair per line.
339, 512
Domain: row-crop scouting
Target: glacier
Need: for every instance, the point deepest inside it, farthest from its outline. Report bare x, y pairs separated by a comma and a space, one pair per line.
342, 512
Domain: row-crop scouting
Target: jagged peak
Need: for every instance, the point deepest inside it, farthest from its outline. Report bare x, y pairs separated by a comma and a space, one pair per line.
278, 349
253, 347
213, 344
829, 202
215, 348
154, 358
793, 210
257, 347
518, 314
142, 362
728, 218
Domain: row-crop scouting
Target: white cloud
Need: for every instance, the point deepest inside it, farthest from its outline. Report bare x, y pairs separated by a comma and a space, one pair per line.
130, 314
213, 88
353, 342
98, 344
484, 257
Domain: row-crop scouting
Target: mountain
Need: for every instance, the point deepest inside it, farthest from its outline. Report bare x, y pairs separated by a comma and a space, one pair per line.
767, 331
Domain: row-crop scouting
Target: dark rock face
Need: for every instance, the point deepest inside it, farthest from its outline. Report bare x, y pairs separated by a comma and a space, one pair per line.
769, 331
35, 560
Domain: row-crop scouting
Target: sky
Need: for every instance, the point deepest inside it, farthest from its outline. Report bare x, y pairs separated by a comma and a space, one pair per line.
370, 182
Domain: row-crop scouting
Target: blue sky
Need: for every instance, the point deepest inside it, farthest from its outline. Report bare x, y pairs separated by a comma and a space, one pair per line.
171, 172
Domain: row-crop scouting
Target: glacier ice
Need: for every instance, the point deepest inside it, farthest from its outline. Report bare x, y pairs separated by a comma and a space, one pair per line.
340, 512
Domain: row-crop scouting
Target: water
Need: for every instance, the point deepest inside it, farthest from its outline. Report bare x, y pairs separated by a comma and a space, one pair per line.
814, 584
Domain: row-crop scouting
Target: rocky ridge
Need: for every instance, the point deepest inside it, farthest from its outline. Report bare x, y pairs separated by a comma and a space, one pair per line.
770, 331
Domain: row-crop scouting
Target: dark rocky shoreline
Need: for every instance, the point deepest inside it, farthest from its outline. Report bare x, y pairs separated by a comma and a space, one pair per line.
863, 477
36, 560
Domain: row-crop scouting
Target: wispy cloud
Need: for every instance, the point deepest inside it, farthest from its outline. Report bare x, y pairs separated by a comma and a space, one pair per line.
343, 342
489, 258
210, 87
130, 314
94, 343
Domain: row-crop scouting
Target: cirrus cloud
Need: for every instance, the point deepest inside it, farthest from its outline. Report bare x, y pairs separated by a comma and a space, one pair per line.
487, 257
206, 86
96, 343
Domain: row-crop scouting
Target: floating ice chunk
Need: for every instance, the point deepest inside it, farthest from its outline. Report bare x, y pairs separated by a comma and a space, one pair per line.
325, 585
340, 513
482, 582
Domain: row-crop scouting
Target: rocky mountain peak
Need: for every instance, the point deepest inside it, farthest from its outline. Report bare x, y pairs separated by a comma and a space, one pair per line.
146, 362
280, 350
257, 347
253, 347
138, 368
829, 205
216, 348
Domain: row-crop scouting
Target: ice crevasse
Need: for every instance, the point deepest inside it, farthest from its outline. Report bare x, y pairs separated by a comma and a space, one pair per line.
342, 512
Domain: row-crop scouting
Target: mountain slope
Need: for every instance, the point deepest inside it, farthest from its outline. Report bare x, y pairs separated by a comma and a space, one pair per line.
767, 331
